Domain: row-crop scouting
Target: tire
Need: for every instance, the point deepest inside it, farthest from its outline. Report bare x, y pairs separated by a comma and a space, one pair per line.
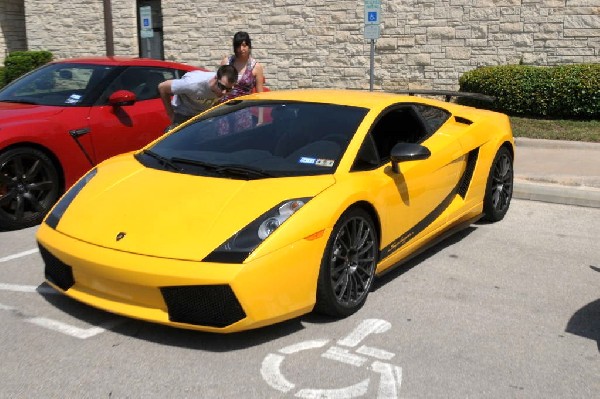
348, 265
499, 188
29, 186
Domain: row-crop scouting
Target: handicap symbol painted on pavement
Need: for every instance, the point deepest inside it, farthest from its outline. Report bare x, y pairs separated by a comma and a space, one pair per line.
390, 376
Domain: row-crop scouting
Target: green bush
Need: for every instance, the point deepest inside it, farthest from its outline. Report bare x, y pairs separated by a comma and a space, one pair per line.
20, 62
2, 81
569, 91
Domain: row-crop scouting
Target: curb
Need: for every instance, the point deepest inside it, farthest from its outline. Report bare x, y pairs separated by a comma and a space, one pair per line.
572, 188
556, 144
557, 194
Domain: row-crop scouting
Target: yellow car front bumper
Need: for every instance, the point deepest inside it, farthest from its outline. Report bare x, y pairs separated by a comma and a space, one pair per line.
215, 297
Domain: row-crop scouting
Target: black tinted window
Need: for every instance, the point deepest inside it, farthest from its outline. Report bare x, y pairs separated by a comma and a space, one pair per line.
141, 81
433, 117
293, 138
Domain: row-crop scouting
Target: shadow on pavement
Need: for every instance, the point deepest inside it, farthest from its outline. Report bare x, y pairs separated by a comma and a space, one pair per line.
586, 321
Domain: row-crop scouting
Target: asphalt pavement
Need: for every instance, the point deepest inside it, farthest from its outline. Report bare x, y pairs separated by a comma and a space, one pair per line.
564, 172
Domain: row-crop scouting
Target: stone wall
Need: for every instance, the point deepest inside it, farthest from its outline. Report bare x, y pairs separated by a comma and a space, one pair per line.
125, 35
424, 43
67, 29
319, 43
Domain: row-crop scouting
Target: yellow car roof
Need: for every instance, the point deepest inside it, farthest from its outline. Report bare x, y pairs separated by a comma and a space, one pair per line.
357, 98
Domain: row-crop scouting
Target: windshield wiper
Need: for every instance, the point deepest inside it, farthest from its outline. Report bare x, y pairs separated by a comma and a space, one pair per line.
20, 101
230, 170
194, 162
244, 170
163, 160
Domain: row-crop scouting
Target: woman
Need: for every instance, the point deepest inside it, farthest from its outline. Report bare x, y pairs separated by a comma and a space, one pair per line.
250, 78
250, 71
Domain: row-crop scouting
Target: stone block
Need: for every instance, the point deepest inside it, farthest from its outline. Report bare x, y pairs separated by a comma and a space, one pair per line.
441, 33
458, 53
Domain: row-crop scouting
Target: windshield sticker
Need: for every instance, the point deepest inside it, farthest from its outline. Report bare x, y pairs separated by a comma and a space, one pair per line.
325, 162
73, 99
307, 160
317, 161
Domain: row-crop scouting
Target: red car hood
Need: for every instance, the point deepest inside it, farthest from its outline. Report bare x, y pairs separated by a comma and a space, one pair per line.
17, 112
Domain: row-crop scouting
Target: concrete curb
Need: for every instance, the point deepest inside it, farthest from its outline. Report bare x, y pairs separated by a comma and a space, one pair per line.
570, 186
557, 194
557, 144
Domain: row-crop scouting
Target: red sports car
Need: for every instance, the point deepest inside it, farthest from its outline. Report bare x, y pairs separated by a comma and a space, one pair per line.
65, 117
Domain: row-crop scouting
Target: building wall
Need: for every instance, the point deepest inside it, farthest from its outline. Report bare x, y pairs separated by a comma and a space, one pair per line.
424, 43
67, 29
12, 27
125, 34
319, 43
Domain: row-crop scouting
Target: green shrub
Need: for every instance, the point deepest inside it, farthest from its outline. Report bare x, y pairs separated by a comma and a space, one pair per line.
20, 62
2, 81
569, 91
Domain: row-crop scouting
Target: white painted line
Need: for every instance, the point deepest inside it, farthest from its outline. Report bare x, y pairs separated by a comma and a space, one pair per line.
6, 307
81, 333
342, 355
354, 391
271, 373
304, 345
367, 327
390, 376
391, 380
375, 352
66, 328
19, 255
27, 288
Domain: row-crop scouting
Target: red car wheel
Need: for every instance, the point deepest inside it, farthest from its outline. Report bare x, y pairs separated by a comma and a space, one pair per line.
29, 186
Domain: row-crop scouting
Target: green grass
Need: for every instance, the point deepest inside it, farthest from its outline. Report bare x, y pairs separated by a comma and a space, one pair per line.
556, 129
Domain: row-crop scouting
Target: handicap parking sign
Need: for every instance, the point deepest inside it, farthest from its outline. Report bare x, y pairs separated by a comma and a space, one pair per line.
372, 16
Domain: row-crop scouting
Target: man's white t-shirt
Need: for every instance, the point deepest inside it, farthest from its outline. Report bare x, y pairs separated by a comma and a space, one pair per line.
192, 93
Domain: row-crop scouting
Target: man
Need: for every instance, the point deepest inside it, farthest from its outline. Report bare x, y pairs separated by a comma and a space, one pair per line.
195, 92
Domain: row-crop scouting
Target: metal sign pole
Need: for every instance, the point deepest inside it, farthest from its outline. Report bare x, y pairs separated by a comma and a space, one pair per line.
372, 78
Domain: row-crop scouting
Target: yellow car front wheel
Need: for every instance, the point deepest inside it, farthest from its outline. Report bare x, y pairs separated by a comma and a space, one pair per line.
348, 265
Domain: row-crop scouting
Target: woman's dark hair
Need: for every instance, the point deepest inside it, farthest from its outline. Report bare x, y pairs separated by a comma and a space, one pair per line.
239, 38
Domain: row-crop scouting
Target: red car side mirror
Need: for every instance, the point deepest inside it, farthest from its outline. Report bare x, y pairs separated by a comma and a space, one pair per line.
121, 98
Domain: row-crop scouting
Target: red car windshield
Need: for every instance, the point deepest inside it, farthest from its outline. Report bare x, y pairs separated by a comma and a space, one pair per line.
60, 84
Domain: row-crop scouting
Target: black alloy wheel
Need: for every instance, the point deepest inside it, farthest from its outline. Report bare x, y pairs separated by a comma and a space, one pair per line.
499, 189
29, 186
348, 266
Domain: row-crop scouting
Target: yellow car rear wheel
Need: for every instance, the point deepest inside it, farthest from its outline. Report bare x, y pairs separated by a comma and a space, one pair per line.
498, 192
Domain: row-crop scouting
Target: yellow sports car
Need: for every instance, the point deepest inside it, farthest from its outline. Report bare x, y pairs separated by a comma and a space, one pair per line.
274, 205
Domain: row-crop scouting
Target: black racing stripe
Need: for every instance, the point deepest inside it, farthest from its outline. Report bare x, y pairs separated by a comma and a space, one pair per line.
463, 184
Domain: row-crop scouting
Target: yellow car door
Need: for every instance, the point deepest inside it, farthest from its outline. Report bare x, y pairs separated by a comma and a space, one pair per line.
415, 191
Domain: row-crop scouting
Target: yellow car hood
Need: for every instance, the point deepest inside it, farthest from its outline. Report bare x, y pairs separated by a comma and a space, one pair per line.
136, 209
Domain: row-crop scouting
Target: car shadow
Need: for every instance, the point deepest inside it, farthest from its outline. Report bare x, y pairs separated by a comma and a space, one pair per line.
399, 269
402, 267
586, 321
166, 335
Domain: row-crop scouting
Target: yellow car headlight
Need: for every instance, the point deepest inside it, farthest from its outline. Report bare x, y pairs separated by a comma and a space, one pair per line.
241, 244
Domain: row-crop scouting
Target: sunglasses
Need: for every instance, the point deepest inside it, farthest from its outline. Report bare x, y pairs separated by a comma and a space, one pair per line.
224, 88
